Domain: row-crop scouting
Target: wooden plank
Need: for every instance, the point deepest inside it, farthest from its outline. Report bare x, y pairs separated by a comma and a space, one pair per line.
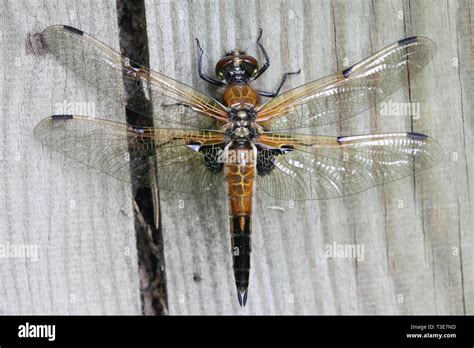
447, 225
416, 233
81, 221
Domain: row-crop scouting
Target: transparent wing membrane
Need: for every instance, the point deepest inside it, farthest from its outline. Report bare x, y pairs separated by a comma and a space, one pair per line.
319, 167
105, 69
128, 153
343, 95
185, 154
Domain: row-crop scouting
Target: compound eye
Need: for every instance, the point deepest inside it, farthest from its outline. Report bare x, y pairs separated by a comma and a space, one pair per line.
220, 75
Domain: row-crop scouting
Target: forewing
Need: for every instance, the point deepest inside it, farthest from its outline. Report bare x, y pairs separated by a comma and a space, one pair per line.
107, 70
320, 167
129, 153
343, 95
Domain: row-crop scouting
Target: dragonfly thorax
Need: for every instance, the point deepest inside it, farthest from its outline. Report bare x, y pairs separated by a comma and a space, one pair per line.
241, 123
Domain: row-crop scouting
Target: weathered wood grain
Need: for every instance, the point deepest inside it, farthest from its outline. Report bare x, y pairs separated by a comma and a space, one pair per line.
417, 233
80, 220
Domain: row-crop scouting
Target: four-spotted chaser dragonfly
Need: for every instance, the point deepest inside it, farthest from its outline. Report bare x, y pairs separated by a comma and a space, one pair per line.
240, 142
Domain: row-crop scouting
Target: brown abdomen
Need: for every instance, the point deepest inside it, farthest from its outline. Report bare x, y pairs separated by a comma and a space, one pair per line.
240, 175
240, 96
240, 178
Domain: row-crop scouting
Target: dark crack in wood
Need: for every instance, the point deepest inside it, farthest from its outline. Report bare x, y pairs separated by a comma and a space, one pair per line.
151, 263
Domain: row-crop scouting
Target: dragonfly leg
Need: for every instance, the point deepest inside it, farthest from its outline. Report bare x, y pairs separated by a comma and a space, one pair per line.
274, 94
266, 65
201, 74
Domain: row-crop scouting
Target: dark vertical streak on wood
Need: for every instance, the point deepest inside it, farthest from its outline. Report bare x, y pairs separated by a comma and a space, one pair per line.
335, 33
460, 258
333, 19
134, 44
354, 235
409, 12
412, 130
283, 47
410, 100
470, 22
462, 115
466, 160
422, 225
372, 51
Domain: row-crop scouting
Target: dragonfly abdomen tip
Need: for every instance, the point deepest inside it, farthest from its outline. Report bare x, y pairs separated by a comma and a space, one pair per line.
242, 295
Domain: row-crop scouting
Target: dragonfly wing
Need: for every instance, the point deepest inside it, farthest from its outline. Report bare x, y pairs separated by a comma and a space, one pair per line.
343, 95
128, 153
320, 167
107, 71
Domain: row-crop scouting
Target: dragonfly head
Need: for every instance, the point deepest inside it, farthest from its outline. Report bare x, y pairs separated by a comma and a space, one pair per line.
236, 67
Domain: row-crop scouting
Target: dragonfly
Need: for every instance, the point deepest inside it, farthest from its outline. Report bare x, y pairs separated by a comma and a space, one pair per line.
239, 142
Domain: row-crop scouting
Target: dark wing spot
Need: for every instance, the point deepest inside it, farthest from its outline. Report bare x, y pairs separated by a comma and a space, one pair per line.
407, 40
417, 135
347, 72
73, 30
265, 159
62, 117
212, 159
